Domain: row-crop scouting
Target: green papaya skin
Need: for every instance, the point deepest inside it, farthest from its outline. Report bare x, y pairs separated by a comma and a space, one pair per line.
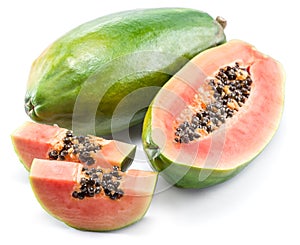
100, 77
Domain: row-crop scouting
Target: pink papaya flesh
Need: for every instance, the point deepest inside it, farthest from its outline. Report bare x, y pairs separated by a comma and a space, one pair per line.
215, 115
34, 140
57, 186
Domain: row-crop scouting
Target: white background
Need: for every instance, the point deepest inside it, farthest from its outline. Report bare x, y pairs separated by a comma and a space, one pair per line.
259, 206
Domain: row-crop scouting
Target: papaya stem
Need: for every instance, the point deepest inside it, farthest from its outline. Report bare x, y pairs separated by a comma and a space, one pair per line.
221, 21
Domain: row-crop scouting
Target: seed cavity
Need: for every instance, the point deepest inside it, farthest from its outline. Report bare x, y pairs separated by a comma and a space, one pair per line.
95, 180
228, 89
73, 147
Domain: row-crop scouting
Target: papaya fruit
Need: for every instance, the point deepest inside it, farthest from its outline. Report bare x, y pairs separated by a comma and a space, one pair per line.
214, 116
93, 199
34, 140
100, 77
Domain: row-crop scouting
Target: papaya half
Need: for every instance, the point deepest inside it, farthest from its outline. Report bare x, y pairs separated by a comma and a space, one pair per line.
100, 77
213, 117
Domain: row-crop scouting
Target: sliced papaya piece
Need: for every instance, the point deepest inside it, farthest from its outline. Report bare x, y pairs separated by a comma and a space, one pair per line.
92, 198
34, 140
215, 115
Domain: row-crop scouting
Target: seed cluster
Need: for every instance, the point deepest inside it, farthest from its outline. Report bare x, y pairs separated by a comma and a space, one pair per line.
230, 89
79, 146
94, 180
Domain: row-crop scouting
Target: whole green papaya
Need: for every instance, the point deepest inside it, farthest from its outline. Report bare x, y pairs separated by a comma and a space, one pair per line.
100, 77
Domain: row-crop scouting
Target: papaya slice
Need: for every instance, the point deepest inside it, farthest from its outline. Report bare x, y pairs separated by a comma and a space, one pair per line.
33, 140
92, 198
215, 115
